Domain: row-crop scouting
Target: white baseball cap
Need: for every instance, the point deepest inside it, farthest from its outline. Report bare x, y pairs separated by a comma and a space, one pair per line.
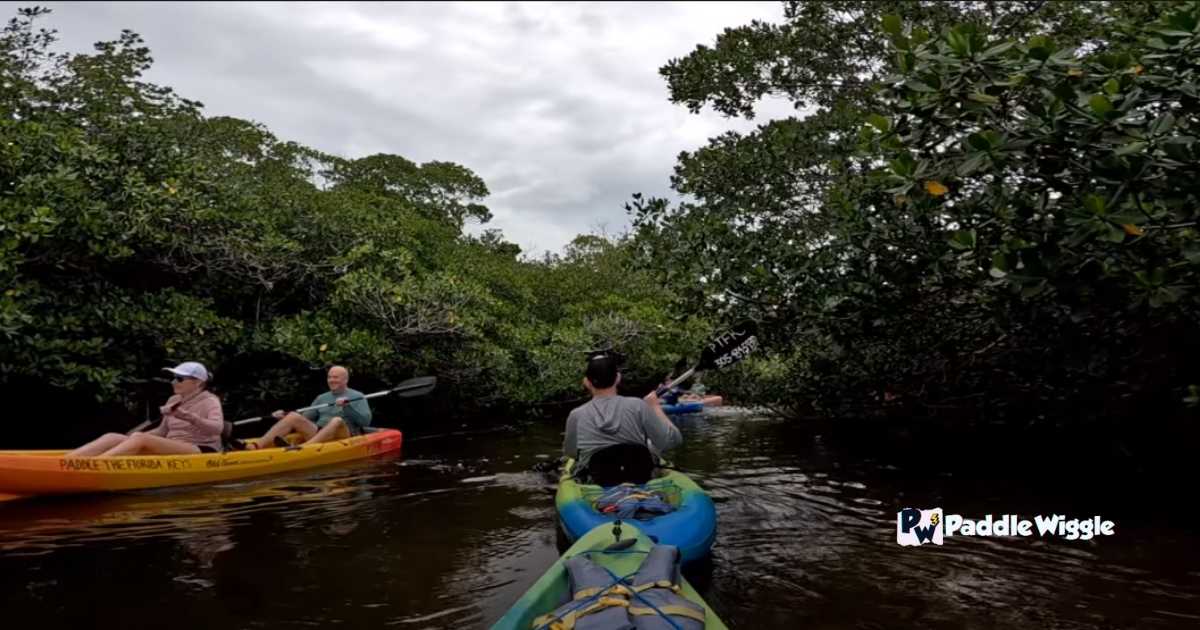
190, 368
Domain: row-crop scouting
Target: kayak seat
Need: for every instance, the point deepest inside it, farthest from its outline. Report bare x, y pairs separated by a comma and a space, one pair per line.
228, 442
620, 463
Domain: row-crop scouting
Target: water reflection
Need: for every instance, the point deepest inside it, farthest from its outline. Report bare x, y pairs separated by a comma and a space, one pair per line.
452, 533
35, 526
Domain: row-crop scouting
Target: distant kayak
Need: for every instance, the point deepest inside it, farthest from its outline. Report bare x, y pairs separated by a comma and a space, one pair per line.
692, 526
682, 408
625, 558
26, 473
692, 406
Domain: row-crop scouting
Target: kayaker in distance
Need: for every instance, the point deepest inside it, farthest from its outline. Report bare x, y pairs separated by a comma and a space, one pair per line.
348, 416
689, 391
608, 435
192, 422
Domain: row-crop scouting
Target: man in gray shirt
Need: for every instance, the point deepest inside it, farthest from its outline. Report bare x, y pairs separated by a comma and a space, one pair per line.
609, 420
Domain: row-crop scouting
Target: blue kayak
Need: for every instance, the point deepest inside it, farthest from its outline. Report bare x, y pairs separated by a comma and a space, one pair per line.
682, 408
692, 526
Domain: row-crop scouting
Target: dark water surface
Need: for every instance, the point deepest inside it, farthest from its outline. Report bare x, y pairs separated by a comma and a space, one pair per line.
449, 534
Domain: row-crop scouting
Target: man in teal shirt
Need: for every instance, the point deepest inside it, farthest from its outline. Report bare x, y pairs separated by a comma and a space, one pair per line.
346, 415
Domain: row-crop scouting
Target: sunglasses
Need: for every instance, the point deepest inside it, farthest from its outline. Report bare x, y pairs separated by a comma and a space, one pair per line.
180, 379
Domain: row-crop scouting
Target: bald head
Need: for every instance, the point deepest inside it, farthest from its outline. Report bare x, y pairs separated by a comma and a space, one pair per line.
338, 378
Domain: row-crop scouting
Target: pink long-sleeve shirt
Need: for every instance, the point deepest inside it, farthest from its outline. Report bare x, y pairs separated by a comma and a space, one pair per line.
197, 420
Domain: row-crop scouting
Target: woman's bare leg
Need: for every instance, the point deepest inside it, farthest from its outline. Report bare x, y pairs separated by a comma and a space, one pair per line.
146, 444
98, 445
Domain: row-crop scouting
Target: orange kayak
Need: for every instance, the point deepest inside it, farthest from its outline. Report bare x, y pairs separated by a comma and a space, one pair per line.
25, 473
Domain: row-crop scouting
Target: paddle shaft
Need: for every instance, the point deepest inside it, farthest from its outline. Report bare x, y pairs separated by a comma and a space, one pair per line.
682, 377
413, 387
376, 395
138, 427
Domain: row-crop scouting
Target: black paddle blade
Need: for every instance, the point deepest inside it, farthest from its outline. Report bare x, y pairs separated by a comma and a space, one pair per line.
415, 386
729, 348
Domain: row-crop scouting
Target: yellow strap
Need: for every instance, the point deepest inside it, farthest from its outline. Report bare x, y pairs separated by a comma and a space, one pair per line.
667, 584
556, 625
669, 610
538, 622
615, 589
551, 620
567, 622
587, 592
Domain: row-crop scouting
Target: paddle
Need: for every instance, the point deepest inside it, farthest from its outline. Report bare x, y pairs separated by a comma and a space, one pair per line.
412, 387
723, 351
139, 427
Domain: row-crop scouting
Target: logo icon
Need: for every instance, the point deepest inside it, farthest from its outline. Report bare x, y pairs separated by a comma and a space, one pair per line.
916, 527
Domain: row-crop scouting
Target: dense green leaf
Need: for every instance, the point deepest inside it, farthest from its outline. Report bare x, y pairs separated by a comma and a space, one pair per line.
1000, 261
892, 25
1112, 233
1100, 104
997, 50
979, 141
1132, 147
963, 240
1162, 124
972, 164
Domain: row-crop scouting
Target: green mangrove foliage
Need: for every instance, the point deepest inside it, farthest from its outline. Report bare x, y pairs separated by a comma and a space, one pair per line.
136, 232
989, 208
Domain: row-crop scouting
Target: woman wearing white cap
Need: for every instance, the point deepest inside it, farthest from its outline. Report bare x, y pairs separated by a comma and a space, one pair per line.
192, 422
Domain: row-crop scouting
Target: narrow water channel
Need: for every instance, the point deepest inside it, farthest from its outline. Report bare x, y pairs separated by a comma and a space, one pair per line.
451, 532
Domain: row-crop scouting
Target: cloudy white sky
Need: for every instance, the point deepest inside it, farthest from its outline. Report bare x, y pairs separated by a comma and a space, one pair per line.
557, 106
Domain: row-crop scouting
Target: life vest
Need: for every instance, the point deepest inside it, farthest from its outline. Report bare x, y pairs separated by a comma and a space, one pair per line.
600, 601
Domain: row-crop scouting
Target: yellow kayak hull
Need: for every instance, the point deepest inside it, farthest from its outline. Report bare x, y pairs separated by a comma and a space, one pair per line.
25, 473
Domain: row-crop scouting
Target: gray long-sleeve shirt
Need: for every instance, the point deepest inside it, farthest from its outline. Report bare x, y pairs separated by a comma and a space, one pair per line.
611, 420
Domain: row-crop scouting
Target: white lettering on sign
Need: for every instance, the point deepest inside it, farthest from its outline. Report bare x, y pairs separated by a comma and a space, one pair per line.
742, 351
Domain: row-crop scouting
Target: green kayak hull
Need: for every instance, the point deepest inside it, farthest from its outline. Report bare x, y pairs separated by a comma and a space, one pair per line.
553, 590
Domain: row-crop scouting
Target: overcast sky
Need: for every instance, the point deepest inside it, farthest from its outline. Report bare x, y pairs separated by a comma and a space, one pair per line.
559, 107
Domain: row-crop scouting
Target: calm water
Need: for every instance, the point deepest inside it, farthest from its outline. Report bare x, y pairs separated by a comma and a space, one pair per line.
452, 532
